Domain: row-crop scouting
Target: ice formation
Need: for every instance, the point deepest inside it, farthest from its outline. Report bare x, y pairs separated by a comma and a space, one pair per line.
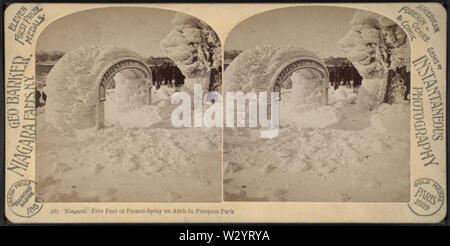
303, 105
193, 46
131, 90
254, 69
307, 88
378, 48
392, 118
72, 87
128, 105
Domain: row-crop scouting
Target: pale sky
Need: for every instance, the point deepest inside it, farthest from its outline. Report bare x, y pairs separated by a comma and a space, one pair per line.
138, 29
318, 29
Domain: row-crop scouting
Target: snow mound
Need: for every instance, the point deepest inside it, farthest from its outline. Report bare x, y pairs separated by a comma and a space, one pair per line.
344, 164
161, 94
72, 89
177, 165
318, 118
143, 117
340, 94
305, 116
341, 97
392, 118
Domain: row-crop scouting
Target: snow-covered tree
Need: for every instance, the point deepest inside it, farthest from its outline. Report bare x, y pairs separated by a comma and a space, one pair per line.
380, 51
195, 48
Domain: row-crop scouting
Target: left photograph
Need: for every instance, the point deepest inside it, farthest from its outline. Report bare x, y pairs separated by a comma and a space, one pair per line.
104, 127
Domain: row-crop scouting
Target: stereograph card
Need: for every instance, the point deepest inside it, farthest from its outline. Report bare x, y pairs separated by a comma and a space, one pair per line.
225, 113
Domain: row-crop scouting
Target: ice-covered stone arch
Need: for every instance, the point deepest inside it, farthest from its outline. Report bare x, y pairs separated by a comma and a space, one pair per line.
297, 60
76, 84
266, 68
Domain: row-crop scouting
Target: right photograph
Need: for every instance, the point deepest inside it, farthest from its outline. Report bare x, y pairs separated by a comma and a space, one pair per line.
337, 95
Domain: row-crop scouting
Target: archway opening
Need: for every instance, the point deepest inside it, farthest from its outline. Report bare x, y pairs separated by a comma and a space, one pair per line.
127, 91
125, 86
303, 76
303, 87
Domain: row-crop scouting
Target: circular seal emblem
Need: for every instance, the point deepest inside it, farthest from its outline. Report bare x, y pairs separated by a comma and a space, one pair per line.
428, 197
22, 200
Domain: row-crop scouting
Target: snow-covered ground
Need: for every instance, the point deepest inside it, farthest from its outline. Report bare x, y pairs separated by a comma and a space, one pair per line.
138, 157
335, 153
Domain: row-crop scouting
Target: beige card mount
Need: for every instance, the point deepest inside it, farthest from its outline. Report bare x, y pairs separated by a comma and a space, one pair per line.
225, 113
